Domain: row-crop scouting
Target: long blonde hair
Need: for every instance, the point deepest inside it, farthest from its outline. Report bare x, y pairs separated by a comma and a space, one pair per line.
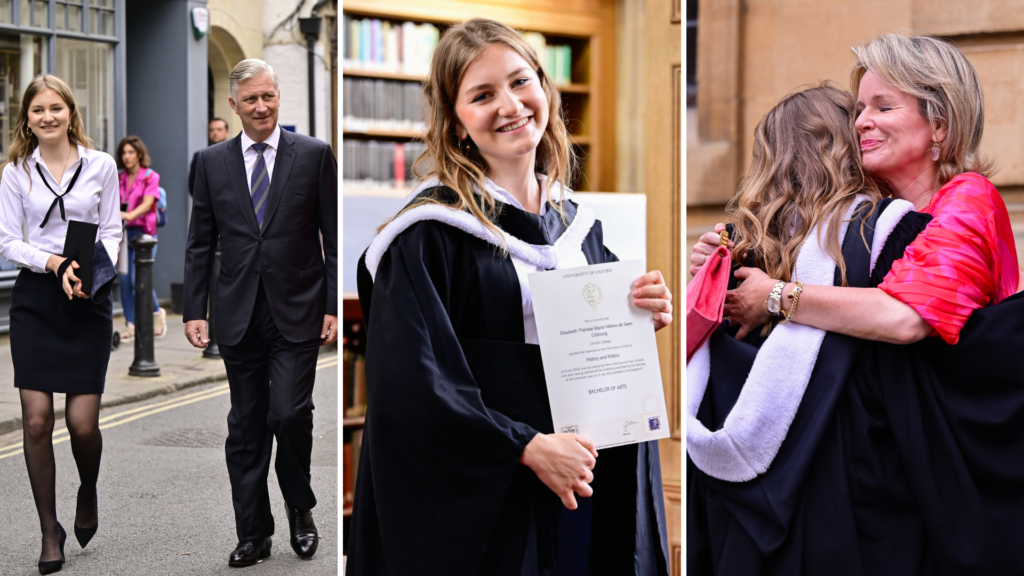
947, 89
23, 143
806, 171
453, 166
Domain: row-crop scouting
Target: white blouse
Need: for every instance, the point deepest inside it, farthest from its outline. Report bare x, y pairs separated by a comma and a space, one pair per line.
95, 198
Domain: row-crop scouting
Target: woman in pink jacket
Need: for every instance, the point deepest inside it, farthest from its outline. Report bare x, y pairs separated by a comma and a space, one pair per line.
140, 190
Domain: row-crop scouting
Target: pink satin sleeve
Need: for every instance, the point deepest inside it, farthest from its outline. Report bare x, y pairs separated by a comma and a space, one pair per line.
965, 258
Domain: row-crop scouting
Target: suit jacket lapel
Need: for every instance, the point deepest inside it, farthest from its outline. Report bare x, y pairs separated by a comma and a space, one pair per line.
282, 168
235, 168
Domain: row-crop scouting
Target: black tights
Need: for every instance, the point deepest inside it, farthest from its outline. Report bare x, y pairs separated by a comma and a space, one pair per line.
81, 413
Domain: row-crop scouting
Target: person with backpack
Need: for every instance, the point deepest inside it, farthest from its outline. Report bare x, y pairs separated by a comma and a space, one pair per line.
140, 196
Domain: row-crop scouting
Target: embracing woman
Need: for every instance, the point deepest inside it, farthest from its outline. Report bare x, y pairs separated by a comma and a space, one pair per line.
875, 458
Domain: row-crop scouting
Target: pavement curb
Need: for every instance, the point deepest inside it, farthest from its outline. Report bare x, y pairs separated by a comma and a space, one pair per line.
144, 393
188, 371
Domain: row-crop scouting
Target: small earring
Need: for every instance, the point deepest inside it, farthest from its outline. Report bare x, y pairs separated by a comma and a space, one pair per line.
466, 147
28, 130
935, 152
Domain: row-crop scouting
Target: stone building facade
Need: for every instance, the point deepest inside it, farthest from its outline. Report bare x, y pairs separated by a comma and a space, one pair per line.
750, 53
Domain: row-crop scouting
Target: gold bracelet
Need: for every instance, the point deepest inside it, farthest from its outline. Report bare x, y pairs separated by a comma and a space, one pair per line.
795, 297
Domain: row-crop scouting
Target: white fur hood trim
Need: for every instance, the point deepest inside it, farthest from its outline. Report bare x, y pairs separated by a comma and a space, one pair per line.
564, 250
753, 432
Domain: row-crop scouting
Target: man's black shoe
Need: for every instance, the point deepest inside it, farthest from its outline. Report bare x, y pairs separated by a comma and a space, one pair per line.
248, 553
304, 535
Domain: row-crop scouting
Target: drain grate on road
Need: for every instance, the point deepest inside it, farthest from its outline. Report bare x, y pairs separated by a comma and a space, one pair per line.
189, 438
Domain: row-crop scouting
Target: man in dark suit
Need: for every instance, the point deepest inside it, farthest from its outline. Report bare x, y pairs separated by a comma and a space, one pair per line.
218, 132
271, 196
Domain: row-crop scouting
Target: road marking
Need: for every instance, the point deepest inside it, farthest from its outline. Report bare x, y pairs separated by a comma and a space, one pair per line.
113, 420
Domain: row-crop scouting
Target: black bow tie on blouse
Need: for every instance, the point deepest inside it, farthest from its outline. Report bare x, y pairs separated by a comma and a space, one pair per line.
59, 200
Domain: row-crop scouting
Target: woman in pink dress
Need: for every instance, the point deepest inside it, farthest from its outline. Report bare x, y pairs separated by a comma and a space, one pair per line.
140, 191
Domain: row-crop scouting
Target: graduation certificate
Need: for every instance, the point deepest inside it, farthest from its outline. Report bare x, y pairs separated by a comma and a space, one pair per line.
599, 352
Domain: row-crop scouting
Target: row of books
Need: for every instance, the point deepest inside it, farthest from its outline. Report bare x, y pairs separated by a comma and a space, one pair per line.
407, 48
352, 441
383, 46
353, 375
382, 104
555, 59
374, 164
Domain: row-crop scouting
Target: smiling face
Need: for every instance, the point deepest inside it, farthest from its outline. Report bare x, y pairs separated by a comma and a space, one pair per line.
256, 102
895, 139
49, 117
502, 106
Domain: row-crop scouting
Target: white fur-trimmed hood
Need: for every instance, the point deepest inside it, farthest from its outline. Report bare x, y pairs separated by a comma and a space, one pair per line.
564, 250
753, 432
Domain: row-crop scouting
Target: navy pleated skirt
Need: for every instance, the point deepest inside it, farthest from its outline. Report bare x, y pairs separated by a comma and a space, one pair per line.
58, 345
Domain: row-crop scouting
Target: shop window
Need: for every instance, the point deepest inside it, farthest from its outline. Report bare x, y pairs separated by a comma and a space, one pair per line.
35, 13
68, 15
88, 67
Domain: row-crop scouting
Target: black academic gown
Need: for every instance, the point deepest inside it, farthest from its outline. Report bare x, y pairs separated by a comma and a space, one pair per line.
454, 395
901, 460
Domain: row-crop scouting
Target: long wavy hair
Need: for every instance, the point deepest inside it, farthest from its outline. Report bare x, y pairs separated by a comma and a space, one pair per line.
23, 142
445, 159
806, 171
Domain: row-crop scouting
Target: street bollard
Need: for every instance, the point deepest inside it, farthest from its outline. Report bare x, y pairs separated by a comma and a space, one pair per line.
145, 360
212, 351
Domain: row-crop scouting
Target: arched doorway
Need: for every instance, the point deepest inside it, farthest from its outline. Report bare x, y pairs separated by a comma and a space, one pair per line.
223, 54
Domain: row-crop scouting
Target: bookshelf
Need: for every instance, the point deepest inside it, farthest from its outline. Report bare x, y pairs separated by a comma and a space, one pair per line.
585, 32
353, 351
579, 36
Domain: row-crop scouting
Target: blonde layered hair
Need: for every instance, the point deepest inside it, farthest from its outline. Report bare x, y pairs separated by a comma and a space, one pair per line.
445, 158
23, 143
806, 171
947, 89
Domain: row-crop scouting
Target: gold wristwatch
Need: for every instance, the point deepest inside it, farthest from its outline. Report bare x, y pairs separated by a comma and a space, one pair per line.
774, 302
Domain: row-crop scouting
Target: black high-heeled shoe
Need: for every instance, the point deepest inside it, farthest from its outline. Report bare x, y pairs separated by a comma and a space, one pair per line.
84, 535
51, 566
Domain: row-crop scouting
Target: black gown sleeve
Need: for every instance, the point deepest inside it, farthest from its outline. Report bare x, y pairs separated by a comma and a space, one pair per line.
436, 461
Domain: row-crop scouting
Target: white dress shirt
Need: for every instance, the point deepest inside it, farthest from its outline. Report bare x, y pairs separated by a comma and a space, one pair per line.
25, 198
249, 155
523, 268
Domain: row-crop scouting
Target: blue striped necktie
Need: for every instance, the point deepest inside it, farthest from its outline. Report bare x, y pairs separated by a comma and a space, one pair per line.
259, 184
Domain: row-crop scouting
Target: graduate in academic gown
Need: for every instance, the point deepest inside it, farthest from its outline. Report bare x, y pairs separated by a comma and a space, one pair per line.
460, 472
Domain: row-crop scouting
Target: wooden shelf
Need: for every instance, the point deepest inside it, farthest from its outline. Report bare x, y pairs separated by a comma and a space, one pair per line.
354, 422
575, 88
350, 310
382, 75
385, 133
